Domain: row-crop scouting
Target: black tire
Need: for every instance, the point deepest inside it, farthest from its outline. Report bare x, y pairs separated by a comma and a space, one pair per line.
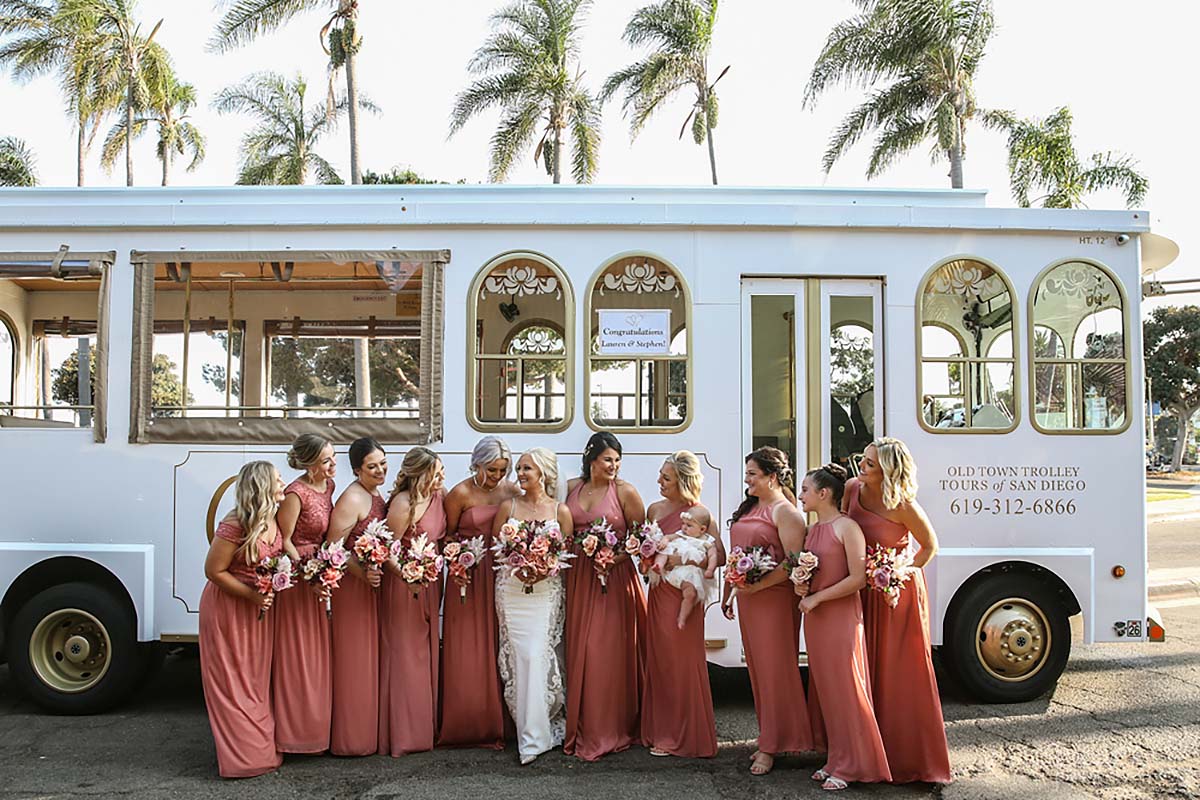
69, 619
1020, 654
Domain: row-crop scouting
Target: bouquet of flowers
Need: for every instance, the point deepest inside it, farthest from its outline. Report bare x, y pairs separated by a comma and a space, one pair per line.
888, 569
599, 542
419, 561
461, 558
650, 541
373, 545
801, 567
326, 568
747, 565
532, 549
273, 575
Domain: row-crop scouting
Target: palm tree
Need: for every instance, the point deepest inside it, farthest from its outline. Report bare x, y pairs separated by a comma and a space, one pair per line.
16, 163
123, 57
280, 149
1041, 154
45, 41
248, 19
681, 33
170, 102
529, 66
926, 54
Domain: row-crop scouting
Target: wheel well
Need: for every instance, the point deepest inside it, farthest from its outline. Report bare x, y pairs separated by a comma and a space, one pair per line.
1035, 571
55, 571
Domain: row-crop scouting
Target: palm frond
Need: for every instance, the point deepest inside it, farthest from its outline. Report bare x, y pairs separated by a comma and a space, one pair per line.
484, 93
114, 143
584, 115
16, 163
514, 135
1112, 171
325, 173
246, 20
896, 140
904, 100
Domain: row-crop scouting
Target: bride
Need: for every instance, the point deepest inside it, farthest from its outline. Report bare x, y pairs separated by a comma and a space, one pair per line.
531, 625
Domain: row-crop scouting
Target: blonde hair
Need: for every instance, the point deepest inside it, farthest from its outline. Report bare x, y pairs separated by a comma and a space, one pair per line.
698, 515
416, 478
547, 463
306, 450
487, 450
899, 471
256, 507
687, 474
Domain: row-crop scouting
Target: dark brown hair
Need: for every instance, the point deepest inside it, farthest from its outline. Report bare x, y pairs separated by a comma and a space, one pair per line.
600, 441
831, 477
772, 461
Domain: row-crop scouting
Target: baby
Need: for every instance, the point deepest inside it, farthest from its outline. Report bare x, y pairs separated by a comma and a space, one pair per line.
688, 561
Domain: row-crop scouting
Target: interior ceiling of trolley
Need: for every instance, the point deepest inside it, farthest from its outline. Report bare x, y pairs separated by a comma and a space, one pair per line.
259, 276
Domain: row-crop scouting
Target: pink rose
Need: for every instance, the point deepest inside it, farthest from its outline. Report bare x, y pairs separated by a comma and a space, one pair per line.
540, 546
466, 559
590, 542
881, 579
516, 561
610, 537
281, 581
412, 572
452, 549
632, 545
432, 570
338, 557
647, 549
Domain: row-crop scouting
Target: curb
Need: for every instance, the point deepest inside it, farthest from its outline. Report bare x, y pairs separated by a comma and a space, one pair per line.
1174, 590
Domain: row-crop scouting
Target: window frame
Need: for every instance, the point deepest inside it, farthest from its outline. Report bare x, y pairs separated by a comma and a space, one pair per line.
688, 359
967, 360
473, 354
428, 428
15, 343
1079, 362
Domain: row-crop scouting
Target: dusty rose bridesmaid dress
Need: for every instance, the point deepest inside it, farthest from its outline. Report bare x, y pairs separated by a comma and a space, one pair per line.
903, 685
235, 669
302, 672
355, 725
770, 623
677, 709
839, 690
604, 681
408, 663
472, 699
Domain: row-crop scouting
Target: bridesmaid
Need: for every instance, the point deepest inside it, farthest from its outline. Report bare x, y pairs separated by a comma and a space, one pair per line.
408, 616
473, 708
302, 675
883, 501
235, 643
769, 616
839, 692
355, 718
603, 629
677, 709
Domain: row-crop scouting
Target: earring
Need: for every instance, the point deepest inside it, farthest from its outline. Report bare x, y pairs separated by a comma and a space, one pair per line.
475, 479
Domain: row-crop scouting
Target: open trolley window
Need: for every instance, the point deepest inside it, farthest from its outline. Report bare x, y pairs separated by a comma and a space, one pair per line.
259, 347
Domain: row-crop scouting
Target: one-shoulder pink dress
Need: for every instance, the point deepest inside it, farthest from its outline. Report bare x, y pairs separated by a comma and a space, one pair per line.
839, 689
235, 668
408, 664
604, 629
770, 623
472, 698
355, 728
903, 684
302, 672
677, 709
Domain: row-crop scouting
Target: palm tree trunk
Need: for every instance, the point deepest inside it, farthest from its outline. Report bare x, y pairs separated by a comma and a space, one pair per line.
712, 156
129, 134
557, 150
166, 165
956, 155
81, 151
1185, 419
352, 99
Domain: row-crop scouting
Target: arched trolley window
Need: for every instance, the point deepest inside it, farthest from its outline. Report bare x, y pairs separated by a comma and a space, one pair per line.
1080, 351
639, 331
520, 367
967, 379
8, 364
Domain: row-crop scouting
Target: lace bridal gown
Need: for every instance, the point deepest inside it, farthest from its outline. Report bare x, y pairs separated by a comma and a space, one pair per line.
531, 661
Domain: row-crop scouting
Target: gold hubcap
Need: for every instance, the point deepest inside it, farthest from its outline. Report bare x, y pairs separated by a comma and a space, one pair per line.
1013, 639
69, 650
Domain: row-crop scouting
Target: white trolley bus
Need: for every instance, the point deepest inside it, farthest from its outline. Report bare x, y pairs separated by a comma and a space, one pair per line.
1002, 344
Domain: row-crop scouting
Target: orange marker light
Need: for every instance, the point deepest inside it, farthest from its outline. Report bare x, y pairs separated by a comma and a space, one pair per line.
1118, 571
1155, 632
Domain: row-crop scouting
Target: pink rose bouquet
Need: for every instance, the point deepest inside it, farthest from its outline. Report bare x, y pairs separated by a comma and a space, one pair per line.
462, 557
419, 561
373, 545
273, 575
801, 567
747, 565
649, 541
325, 569
888, 569
600, 542
531, 550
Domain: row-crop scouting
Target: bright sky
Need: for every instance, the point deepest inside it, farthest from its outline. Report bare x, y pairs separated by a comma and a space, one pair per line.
1125, 71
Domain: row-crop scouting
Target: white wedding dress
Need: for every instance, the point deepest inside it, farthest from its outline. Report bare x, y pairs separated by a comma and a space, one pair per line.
531, 661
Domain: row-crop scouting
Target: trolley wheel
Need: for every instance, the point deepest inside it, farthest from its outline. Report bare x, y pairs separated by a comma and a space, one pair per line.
1007, 639
73, 649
